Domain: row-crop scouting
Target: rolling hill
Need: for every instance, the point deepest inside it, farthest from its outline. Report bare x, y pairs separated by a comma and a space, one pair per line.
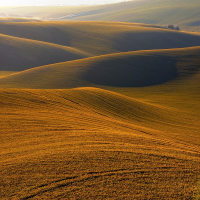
12, 19
62, 12
98, 110
93, 143
18, 54
99, 38
181, 12
184, 13
129, 69
32, 44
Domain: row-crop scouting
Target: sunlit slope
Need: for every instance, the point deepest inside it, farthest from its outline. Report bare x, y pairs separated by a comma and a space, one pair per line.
181, 12
18, 54
89, 143
185, 13
64, 12
6, 73
99, 38
44, 12
15, 19
131, 69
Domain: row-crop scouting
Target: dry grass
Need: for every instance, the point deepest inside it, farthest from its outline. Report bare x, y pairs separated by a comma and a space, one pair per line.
98, 38
135, 138
18, 54
6, 73
176, 67
25, 45
91, 143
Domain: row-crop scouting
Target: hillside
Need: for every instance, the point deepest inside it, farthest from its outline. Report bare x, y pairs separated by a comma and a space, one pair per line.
92, 143
181, 12
6, 73
130, 69
184, 13
12, 19
18, 54
165, 77
98, 110
32, 44
62, 12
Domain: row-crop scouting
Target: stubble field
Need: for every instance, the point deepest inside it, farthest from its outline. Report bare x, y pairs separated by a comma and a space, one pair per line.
95, 118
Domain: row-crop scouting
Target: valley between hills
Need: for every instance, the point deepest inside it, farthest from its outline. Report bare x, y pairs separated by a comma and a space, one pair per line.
98, 110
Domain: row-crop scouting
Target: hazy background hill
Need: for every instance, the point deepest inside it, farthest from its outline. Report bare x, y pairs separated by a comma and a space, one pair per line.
184, 13
13, 19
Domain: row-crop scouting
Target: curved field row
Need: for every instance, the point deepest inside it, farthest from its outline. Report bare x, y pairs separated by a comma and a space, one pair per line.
93, 143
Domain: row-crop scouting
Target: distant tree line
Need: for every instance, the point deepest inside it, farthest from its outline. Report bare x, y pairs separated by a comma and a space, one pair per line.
173, 27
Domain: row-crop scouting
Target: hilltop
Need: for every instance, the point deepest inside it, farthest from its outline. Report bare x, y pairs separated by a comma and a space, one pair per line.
165, 77
128, 69
99, 38
17, 19
183, 13
18, 54
32, 44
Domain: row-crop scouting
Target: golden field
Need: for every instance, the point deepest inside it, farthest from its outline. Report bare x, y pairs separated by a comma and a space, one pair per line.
99, 111
90, 143
100, 38
25, 45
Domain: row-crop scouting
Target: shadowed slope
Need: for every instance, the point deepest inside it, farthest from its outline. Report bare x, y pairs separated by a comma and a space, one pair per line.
132, 69
99, 38
88, 142
17, 54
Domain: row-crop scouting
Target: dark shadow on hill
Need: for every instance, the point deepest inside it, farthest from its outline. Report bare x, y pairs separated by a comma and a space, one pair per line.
135, 71
30, 55
37, 31
155, 40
